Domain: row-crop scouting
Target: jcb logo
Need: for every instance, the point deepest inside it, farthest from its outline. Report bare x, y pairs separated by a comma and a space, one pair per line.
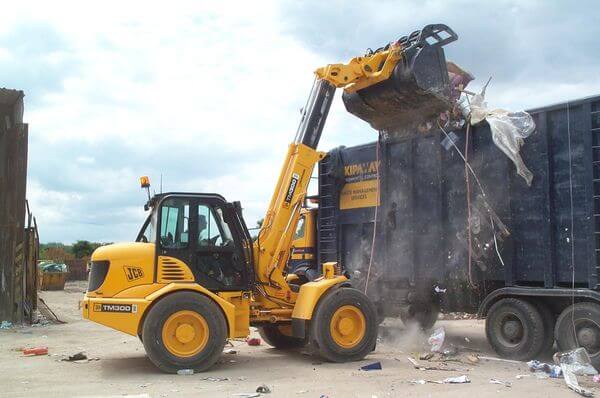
133, 273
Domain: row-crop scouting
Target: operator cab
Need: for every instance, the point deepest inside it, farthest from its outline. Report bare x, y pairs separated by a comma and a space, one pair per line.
205, 232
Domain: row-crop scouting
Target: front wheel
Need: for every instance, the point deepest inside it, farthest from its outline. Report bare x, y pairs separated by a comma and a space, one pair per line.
184, 330
344, 326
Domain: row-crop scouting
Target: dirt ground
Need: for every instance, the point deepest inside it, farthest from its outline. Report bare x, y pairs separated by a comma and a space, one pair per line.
124, 370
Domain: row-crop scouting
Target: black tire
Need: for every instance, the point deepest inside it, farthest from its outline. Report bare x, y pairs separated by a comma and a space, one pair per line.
273, 336
515, 329
586, 318
549, 320
425, 316
197, 303
320, 329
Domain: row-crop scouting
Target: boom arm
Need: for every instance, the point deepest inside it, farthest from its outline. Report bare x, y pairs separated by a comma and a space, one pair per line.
373, 70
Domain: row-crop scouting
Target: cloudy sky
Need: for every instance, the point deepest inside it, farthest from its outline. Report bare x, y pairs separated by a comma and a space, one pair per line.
209, 94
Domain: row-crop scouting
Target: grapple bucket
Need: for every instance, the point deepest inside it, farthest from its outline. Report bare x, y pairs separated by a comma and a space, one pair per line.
418, 89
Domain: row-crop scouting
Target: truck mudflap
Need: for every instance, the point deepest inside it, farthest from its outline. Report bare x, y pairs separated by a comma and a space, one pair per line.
418, 89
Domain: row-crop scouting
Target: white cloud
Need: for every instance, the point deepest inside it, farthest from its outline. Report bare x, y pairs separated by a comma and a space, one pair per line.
206, 93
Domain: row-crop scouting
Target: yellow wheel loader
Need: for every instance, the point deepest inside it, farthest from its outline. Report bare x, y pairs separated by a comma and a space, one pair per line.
195, 277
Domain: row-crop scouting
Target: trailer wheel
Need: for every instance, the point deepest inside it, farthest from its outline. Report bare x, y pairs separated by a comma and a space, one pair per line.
280, 336
580, 323
425, 316
184, 330
515, 329
344, 326
549, 320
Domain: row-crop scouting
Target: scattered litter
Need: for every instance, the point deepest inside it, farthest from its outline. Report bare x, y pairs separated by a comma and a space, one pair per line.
472, 358
420, 367
425, 356
145, 385
35, 351
596, 379
504, 383
577, 360
75, 357
247, 395
242, 378
519, 377
553, 371
501, 360
302, 392
230, 351
253, 341
210, 378
451, 351
263, 389
467, 340
185, 372
6, 325
372, 366
457, 380
418, 381
436, 340
572, 382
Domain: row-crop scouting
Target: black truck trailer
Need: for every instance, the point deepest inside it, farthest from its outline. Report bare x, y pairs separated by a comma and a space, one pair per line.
421, 233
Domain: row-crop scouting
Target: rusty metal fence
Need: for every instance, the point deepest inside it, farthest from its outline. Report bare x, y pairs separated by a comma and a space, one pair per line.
19, 239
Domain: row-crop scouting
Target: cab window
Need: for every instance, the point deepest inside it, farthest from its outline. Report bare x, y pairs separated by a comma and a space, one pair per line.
212, 230
175, 214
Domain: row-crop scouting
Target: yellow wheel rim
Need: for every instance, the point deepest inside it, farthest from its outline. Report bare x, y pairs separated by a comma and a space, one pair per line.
185, 333
348, 326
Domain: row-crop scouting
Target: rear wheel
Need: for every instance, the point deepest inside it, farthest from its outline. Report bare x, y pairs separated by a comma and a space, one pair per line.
425, 316
280, 336
344, 326
184, 330
515, 329
579, 326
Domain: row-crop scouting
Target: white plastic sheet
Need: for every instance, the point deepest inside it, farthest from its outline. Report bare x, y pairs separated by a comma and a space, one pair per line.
509, 129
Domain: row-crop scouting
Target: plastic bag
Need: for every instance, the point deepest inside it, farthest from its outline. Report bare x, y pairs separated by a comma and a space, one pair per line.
577, 360
509, 129
436, 340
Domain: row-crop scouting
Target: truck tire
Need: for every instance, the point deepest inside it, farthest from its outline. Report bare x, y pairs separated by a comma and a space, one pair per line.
580, 323
344, 326
425, 316
515, 329
549, 320
184, 330
279, 336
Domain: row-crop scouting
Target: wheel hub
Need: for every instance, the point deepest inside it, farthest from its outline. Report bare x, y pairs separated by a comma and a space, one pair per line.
185, 333
512, 329
347, 326
587, 337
